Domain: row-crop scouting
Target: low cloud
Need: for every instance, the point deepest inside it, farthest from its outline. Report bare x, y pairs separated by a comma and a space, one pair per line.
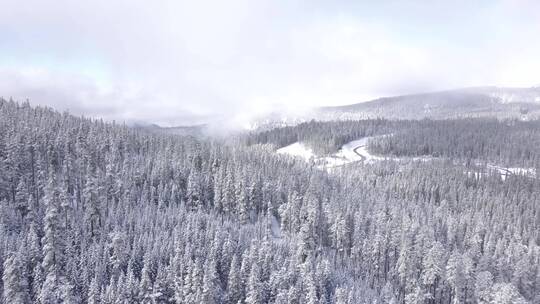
185, 62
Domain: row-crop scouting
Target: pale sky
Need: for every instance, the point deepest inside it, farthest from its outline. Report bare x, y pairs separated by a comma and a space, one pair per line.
177, 62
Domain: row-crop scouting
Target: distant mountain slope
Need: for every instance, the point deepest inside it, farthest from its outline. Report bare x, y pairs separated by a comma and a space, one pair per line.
510, 95
195, 130
470, 102
496, 102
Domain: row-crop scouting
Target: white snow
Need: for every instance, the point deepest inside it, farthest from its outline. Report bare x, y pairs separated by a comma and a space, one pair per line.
504, 171
275, 227
361, 150
297, 150
353, 151
345, 155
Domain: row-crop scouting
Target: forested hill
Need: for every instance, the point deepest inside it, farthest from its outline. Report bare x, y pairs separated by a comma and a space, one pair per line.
93, 212
503, 142
502, 103
474, 102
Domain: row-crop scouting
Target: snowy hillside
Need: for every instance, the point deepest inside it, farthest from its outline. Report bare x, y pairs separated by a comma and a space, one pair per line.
297, 149
521, 103
511, 95
470, 102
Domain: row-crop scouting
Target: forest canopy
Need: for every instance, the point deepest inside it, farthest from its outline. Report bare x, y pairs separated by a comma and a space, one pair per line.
96, 212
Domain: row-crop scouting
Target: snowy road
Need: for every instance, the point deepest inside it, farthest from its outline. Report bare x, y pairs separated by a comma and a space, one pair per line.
352, 152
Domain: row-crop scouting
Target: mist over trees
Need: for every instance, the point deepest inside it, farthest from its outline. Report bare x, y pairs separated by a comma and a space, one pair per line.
95, 212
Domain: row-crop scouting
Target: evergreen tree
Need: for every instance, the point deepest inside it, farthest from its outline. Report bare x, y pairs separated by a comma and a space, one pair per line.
15, 277
52, 245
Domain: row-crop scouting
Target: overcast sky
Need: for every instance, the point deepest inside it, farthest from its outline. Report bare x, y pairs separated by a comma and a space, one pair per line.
174, 62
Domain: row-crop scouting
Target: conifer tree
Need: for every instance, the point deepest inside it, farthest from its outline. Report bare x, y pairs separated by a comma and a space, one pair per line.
15, 277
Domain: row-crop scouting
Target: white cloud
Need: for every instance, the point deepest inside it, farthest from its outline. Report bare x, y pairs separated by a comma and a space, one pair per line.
164, 61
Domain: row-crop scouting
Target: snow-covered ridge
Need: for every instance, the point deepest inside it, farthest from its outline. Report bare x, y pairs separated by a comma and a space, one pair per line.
513, 95
460, 103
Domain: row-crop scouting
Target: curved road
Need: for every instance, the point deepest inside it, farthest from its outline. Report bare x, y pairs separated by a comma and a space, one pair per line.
363, 158
355, 150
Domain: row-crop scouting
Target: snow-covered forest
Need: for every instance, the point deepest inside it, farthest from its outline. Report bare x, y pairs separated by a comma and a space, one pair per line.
512, 142
507, 142
96, 212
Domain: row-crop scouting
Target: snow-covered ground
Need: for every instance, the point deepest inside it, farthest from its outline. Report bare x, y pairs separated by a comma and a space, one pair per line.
502, 171
505, 171
297, 149
359, 148
344, 156
351, 152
